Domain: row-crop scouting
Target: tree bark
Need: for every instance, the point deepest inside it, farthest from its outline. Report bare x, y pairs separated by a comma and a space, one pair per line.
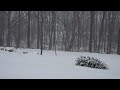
74, 22
91, 30
28, 30
38, 30
54, 29
9, 32
2, 22
19, 33
41, 33
101, 32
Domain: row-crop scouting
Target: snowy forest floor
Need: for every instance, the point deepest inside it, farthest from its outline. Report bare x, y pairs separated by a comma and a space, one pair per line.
16, 65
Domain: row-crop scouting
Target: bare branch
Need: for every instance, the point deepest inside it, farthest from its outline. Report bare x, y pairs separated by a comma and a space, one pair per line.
17, 22
86, 20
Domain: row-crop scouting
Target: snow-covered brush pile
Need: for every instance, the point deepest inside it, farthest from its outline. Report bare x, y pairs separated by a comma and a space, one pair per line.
10, 49
91, 62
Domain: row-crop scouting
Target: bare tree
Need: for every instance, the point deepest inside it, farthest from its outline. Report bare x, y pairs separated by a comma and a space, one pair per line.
2, 24
28, 30
92, 13
38, 30
50, 31
19, 33
101, 31
94, 31
54, 29
111, 18
8, 27
41, 32
74, 23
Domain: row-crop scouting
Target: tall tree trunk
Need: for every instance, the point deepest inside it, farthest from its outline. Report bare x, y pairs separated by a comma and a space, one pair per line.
95, 34
2, 22
110, 32
28, 30
9, 31
74, 22
38, 30
54, 29
101, 32
19, 33
79, 31
50, 32
91, 30
41, 33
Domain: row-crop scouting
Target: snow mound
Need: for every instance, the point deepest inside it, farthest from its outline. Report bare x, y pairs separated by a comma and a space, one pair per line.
10, 49
91, 62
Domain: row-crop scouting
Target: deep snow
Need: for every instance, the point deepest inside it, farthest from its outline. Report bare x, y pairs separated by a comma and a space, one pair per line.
16, 65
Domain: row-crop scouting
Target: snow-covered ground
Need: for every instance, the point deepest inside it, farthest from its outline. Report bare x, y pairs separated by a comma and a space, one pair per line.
16, 65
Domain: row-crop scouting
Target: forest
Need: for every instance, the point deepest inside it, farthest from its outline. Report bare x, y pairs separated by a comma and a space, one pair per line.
75, 31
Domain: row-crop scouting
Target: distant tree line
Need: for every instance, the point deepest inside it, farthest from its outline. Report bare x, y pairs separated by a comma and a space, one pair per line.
81, 31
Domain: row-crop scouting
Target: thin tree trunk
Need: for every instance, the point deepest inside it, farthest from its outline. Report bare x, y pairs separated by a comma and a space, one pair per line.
79, 28
91, 30
110, 32
38, 30
101, 32
54, 29
9, 32
74, 22
2, 29
28, 30
19, 33
50, 33
41, 33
